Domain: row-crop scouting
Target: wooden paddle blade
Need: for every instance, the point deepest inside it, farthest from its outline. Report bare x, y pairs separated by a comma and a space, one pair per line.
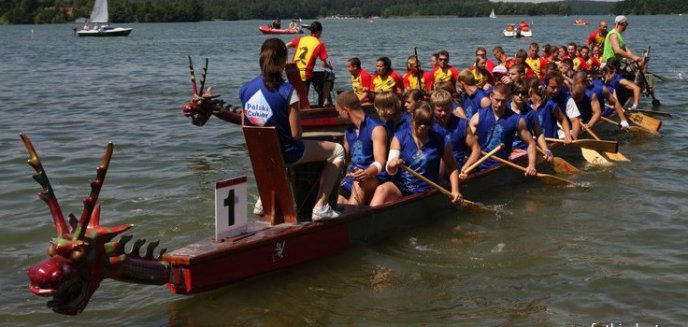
639, 131
616, 156
653, 112
645, 121
562, 166
554, 180
475, 206
594, 157
598, 145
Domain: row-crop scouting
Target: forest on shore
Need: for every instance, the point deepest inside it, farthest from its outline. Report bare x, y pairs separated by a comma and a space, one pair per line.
67, 11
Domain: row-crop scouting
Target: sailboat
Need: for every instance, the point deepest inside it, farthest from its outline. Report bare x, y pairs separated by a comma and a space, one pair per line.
99, 23
492, 14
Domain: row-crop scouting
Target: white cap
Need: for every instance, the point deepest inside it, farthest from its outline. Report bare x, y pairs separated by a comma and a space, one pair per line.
620, 19
499, 70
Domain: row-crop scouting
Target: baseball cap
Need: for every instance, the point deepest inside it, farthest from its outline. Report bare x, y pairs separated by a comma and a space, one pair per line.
620, 19
499, 70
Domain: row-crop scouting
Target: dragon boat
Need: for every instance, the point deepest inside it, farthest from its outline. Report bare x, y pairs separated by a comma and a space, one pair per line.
84, 252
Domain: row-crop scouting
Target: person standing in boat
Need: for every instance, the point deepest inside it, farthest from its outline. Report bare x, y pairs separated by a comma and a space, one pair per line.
465, 148
444, 72
497, 125
386, 79
615, 46
308, 49
365, 143
361, 80
598, 36
268, 100
422, 149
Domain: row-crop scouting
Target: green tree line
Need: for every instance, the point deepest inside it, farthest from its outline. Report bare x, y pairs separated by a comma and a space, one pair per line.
64, 11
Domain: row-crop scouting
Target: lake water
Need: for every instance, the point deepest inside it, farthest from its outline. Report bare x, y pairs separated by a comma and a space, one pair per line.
553, 257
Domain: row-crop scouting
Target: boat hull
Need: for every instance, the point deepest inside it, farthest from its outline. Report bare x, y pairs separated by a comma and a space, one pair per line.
117, 31
269, 30
266, 248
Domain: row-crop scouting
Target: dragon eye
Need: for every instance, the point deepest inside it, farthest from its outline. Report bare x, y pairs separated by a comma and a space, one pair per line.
51, 250
77, 254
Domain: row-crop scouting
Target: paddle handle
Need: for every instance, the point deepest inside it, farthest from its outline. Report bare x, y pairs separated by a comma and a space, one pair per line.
508, 163
485, 157
425, 179
591, 133
609, 121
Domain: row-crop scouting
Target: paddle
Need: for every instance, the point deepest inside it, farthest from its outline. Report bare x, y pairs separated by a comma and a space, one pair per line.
481, 160
592, 156
560, 165
645, 121
646, 54
613, 156
631, 129
547, 178
418, 74
597, 145
464, 202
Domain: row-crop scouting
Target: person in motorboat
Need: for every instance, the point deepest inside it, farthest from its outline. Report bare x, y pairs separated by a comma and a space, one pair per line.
268, 100
365, 143
422, 149
277, 23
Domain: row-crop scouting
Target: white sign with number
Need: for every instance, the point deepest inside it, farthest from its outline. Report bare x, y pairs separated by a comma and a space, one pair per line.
230, 208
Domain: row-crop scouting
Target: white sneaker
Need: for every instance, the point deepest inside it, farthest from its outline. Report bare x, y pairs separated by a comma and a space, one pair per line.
258, 208
324, 212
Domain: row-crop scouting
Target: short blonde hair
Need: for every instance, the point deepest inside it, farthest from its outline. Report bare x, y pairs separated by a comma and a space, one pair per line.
441, 98
387, 102
348, 99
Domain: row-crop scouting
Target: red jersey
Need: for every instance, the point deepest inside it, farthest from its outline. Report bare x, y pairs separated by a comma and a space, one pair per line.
389, 83
538, 66
361, 82
308, 49
596, 38
593, 63
411, 80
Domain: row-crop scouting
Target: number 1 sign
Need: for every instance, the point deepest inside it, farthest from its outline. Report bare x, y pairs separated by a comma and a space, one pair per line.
230, 208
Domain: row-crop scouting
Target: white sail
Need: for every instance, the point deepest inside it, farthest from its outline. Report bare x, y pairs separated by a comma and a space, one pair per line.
100, 15
492, 14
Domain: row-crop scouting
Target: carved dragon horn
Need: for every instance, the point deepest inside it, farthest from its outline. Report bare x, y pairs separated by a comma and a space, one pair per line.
203, 74
92, 199
47, 195
193, 77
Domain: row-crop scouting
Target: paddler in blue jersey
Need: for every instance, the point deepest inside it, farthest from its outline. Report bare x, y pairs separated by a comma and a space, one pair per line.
473, 97
549, 114
556, 92
520, 106
465, 146
365, 143
497, 125
596, 86
421, 149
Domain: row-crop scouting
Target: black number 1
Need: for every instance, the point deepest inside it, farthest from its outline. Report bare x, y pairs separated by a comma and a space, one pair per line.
229, 203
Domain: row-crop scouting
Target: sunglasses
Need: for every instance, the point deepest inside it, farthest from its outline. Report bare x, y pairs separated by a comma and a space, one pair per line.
443, 59
522, 94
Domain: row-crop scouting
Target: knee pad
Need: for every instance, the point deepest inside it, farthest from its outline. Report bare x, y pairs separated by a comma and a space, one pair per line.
338, 155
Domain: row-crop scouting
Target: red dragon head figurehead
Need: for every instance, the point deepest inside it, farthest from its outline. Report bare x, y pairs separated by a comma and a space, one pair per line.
203, 104
83, 253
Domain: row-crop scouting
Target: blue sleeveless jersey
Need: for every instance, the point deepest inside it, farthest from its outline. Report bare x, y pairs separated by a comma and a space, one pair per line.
471, 103
585, 107
361, 143
405, 123
547, 118
263, 107
455, 131
621, 92
560, 100
530, 116
492, 132
425, 161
